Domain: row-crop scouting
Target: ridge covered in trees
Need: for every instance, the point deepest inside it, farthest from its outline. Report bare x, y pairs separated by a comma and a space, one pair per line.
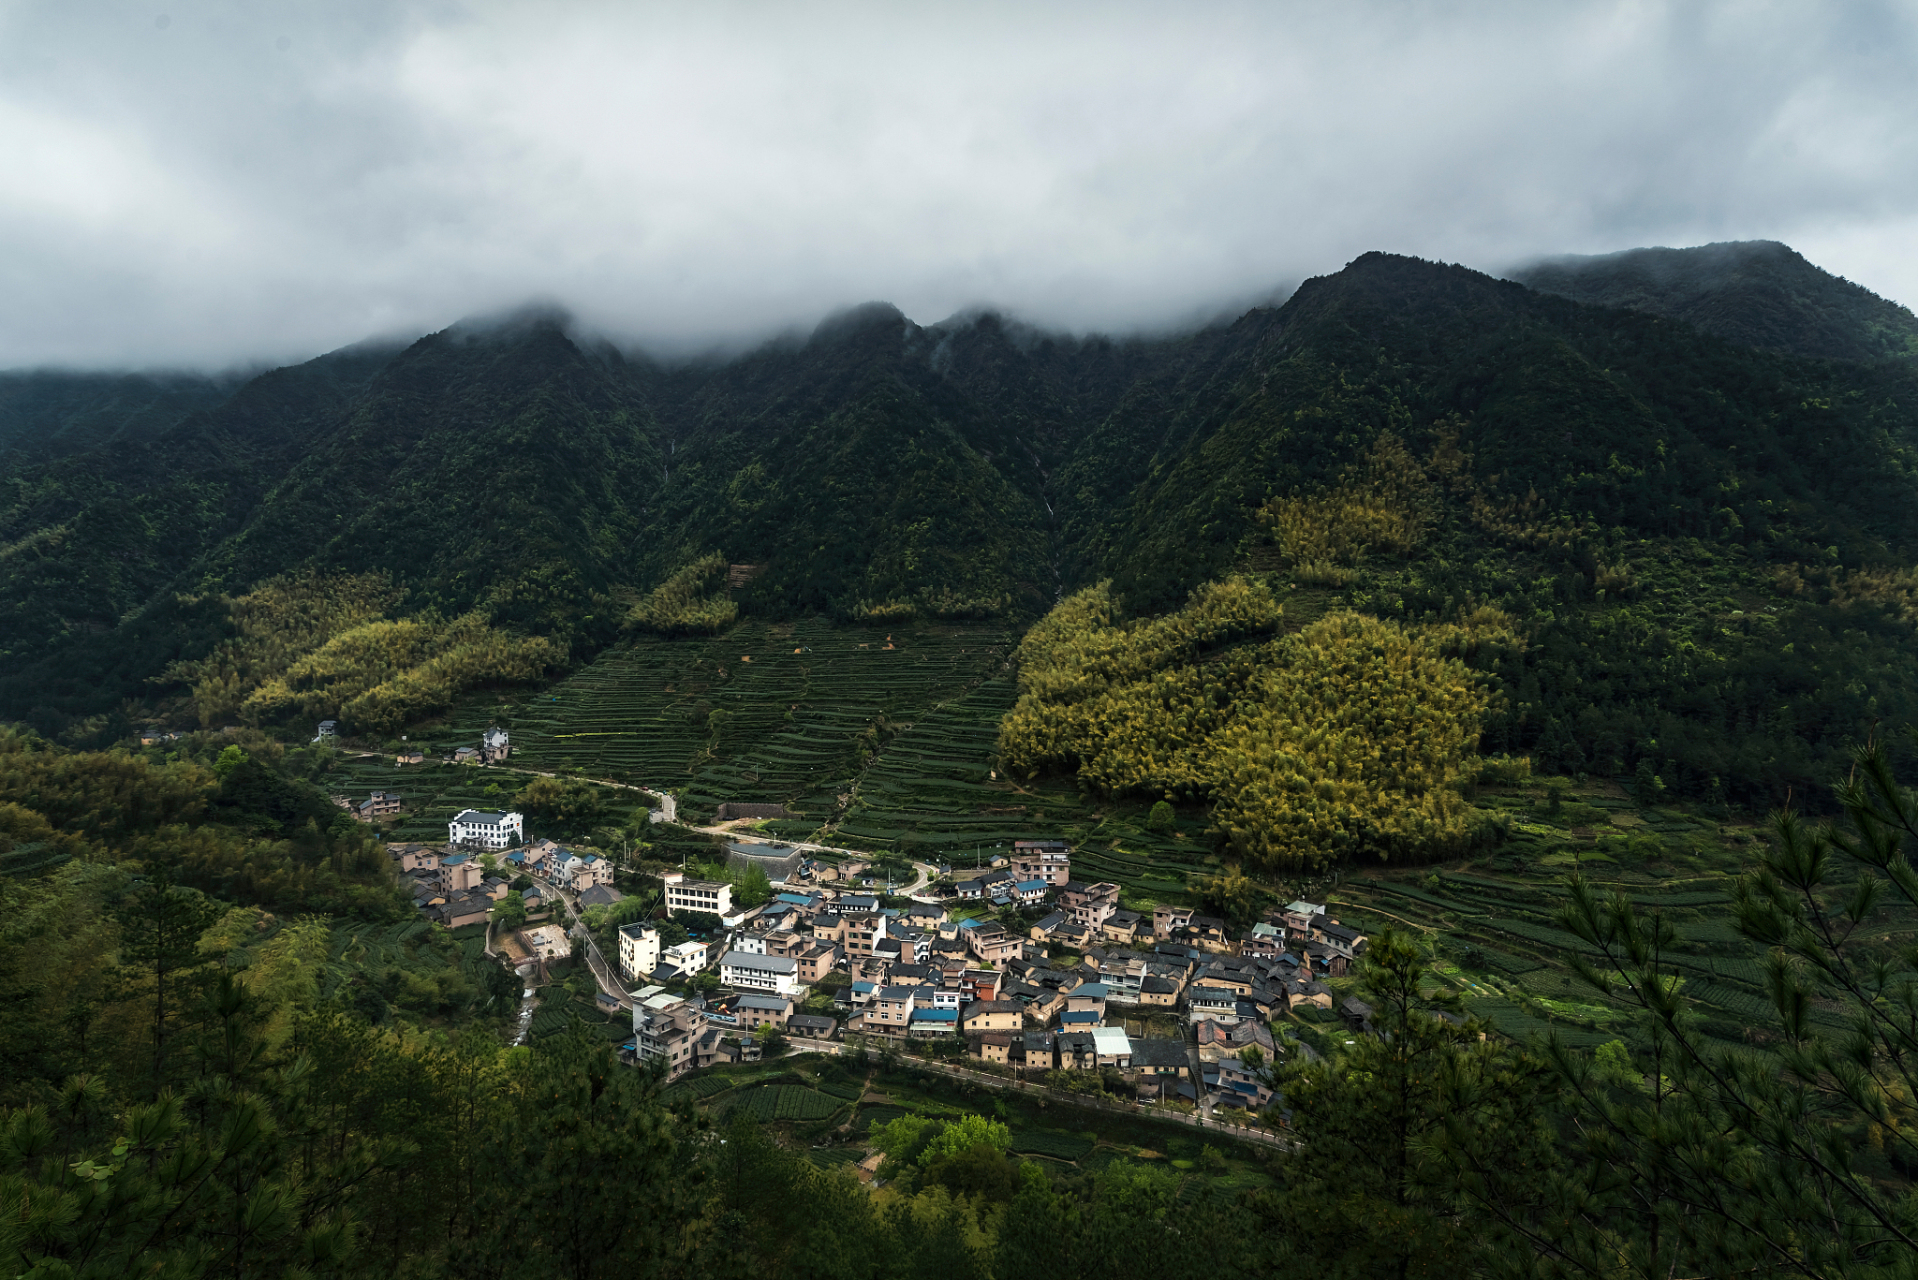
1413, 441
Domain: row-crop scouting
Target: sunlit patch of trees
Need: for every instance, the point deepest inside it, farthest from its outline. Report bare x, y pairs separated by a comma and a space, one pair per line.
1358, 740
275, 624
1353, 737
691, 602
381, 675
319, 646
1382, 503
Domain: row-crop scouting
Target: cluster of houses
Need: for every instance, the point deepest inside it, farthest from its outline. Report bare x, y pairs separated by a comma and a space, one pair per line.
495, 745
380, 804
452, 886
453, 889
915, 972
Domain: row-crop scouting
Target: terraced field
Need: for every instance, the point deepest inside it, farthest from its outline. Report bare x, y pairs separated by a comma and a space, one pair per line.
1494, 927
768, 713
874, 738
892, 749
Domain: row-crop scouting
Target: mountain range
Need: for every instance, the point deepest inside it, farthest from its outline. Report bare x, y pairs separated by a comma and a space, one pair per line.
1627, 452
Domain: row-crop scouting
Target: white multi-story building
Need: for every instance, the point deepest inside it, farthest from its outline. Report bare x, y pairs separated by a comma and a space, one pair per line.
687, 957
778, 974
638, 950
486, 829
714, 897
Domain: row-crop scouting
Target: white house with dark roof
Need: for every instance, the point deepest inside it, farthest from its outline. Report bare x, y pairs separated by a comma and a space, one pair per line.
742, 969
638, 950
713, 897
486, 829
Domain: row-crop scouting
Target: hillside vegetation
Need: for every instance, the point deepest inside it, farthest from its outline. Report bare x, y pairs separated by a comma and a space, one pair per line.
314, 646
1702, 549
1350, 738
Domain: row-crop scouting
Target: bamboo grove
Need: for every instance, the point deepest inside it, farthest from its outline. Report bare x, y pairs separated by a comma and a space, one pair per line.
320, 646
1348, 738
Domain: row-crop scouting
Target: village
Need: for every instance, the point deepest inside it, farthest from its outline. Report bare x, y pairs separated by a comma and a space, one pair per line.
1014, 967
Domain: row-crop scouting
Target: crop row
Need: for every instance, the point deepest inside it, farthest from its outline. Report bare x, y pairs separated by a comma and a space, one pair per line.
1060, 1146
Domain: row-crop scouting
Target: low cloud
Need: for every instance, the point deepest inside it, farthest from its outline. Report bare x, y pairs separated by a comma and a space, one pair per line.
213, 184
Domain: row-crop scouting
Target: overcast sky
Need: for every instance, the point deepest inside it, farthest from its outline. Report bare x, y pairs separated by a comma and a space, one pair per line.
227, 182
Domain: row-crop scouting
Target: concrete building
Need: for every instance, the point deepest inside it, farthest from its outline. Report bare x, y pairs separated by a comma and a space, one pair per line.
638, 950
713, 897
687, 958
779, 974
486, 829
1047, 860
665, 1029
494, 746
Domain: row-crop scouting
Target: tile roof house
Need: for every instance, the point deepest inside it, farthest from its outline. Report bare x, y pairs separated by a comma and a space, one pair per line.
1158, 1063
992, 1046
812, 1026
600, 896
1126, 927
755, 1010
1036, 1051
1163, 992
993, 1015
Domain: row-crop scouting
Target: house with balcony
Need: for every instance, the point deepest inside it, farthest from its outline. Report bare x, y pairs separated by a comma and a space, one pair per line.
1089, 904
1047, 860
666, 1029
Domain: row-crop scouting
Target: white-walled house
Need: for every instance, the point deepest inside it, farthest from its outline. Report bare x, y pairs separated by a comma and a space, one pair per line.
638, 950
486, 829
778, 974
714, 897
687, 957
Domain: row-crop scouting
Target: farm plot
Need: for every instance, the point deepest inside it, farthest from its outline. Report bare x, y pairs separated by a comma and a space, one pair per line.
786, 1102
1070, 1147
773, 713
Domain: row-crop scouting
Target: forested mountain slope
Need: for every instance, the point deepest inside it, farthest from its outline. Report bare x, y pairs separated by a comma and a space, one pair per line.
1704, 550
1758, 293
48, 413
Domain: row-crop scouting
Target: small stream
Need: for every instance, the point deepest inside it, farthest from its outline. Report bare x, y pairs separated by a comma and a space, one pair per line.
528, 1002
